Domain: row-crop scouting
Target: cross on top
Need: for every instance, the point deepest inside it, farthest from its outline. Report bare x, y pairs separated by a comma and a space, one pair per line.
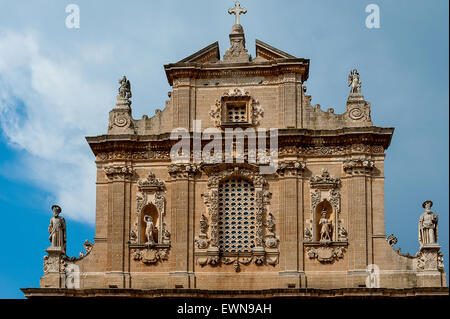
237, 10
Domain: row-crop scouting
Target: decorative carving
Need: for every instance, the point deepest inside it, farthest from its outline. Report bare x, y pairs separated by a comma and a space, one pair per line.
87, 248
179, 171
202, 240
150, 183
57, 230
150, 255
428, 225
324, 181
307, 235
342, 233
358, 166
326, 253
291, 168
392, 240
115, 172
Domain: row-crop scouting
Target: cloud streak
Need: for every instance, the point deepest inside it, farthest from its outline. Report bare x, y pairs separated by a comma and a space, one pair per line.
47, 106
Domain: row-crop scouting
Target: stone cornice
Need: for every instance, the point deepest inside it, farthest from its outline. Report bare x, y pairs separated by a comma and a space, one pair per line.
290, 141
265, 68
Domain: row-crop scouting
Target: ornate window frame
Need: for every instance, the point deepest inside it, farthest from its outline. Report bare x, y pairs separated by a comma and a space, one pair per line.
207, 241
236, 97
151, 191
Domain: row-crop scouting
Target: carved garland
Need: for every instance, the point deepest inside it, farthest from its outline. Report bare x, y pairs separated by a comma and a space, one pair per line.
266, 242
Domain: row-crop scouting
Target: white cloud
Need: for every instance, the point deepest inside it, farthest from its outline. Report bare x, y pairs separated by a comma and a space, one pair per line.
47, 106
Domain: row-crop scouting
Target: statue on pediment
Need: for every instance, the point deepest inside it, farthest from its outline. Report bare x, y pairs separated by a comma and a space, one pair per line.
428, 225
125, 88
354, 82
57, 230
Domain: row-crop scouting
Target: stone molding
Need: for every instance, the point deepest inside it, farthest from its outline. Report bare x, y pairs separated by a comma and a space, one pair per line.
358, 166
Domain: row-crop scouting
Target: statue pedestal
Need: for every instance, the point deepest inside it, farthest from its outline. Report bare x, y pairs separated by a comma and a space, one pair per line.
430, 266
53, 277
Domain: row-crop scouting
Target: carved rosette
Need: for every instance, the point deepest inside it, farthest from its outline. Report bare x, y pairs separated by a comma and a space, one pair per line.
151, 191
358, 166
253, 108
183, 171
291, 168
118, 172
266, 241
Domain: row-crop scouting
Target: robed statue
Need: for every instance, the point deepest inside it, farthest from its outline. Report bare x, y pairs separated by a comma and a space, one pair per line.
57, 229
354, 82
125, 88
428, 225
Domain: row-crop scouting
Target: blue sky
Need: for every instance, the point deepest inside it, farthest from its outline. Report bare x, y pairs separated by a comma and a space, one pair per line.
57, 86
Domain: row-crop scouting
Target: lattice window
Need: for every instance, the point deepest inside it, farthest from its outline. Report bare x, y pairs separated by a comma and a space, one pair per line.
236, 113
237, 221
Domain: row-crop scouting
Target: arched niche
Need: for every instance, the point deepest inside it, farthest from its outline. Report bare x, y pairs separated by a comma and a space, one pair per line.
152, 211
324, 205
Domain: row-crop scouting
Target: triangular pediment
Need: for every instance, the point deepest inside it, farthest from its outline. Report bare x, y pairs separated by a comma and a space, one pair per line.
268, 52
208, 54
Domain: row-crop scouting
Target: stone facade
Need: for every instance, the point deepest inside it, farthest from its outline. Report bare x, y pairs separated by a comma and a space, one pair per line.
318, 221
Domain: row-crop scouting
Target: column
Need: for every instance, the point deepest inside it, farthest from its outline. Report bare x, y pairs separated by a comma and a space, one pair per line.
291, 223
182, 214
119, 187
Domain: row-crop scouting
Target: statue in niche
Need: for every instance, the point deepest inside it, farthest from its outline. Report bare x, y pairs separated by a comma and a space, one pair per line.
354, 82
149, 229
428, 225
125, 88
57, 229
325, 230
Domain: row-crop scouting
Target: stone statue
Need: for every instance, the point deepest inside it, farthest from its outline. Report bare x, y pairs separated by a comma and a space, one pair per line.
149, 229
125, 88
354, 82
428, 225
325, 230
57, 229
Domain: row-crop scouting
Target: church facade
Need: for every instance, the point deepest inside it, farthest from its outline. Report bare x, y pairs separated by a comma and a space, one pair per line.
240, 183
